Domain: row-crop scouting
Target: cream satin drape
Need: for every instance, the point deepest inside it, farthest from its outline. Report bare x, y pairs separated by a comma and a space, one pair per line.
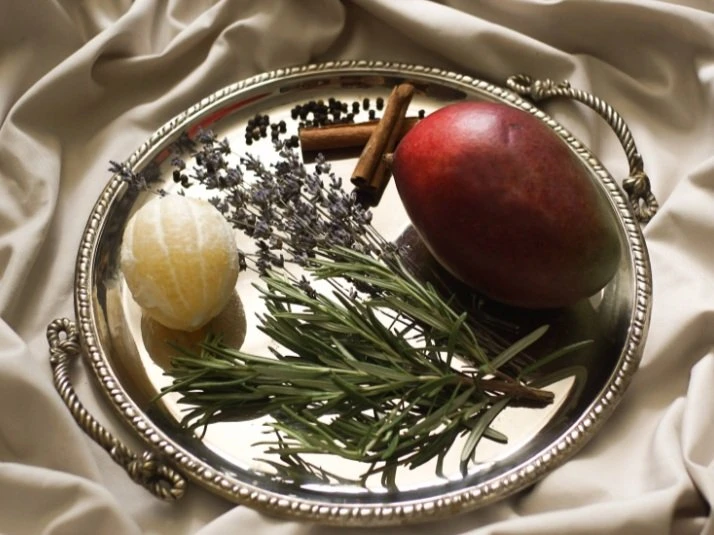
86, 82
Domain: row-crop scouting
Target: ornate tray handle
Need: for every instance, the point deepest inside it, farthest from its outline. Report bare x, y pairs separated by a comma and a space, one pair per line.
637, 185
146, 469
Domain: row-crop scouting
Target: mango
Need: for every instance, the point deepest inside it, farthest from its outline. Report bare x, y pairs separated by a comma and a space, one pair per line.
505, 205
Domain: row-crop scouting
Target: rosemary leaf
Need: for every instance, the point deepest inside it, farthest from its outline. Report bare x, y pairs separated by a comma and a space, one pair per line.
571, 348
517, 347
480, 428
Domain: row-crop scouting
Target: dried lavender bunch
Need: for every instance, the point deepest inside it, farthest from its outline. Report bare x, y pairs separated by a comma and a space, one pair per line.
285, 208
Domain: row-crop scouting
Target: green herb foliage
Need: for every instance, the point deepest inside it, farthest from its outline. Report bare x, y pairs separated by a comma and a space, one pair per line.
379, 380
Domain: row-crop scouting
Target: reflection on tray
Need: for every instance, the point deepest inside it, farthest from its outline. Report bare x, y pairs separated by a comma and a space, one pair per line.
162, 343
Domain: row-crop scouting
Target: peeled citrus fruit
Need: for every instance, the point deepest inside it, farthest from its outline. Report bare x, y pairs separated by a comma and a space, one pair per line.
180, 261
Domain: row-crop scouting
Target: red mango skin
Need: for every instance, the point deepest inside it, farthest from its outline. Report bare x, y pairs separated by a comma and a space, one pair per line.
503, 204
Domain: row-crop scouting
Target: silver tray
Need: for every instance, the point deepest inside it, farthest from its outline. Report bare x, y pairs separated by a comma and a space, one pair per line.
129, 370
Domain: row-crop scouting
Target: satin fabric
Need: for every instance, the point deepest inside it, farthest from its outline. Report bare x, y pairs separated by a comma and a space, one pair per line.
83, 83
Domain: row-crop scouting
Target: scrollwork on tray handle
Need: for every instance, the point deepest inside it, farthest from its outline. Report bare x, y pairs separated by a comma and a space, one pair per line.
146, 469
637, 185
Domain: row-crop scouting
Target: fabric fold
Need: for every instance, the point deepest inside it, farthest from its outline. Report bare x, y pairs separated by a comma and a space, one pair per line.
86, 83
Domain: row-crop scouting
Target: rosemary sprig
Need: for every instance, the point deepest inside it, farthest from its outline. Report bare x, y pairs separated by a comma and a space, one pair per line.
372, 379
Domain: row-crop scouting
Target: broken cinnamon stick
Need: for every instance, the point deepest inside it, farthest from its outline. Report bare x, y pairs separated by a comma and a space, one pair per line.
371, 174
343, 136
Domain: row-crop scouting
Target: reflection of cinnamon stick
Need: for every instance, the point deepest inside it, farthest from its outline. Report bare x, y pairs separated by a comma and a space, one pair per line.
371, 175
343, 136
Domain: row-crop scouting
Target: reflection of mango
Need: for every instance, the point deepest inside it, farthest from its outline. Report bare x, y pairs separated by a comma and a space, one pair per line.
162, 343
575, 323
180, 261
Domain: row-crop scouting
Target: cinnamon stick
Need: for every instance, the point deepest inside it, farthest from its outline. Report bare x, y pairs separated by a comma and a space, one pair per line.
371, 174
343, 136
383, 172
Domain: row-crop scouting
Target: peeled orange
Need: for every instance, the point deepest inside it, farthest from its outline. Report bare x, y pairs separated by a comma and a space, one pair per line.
180, 261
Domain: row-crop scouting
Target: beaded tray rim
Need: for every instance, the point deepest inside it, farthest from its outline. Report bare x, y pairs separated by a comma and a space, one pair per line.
295, 507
